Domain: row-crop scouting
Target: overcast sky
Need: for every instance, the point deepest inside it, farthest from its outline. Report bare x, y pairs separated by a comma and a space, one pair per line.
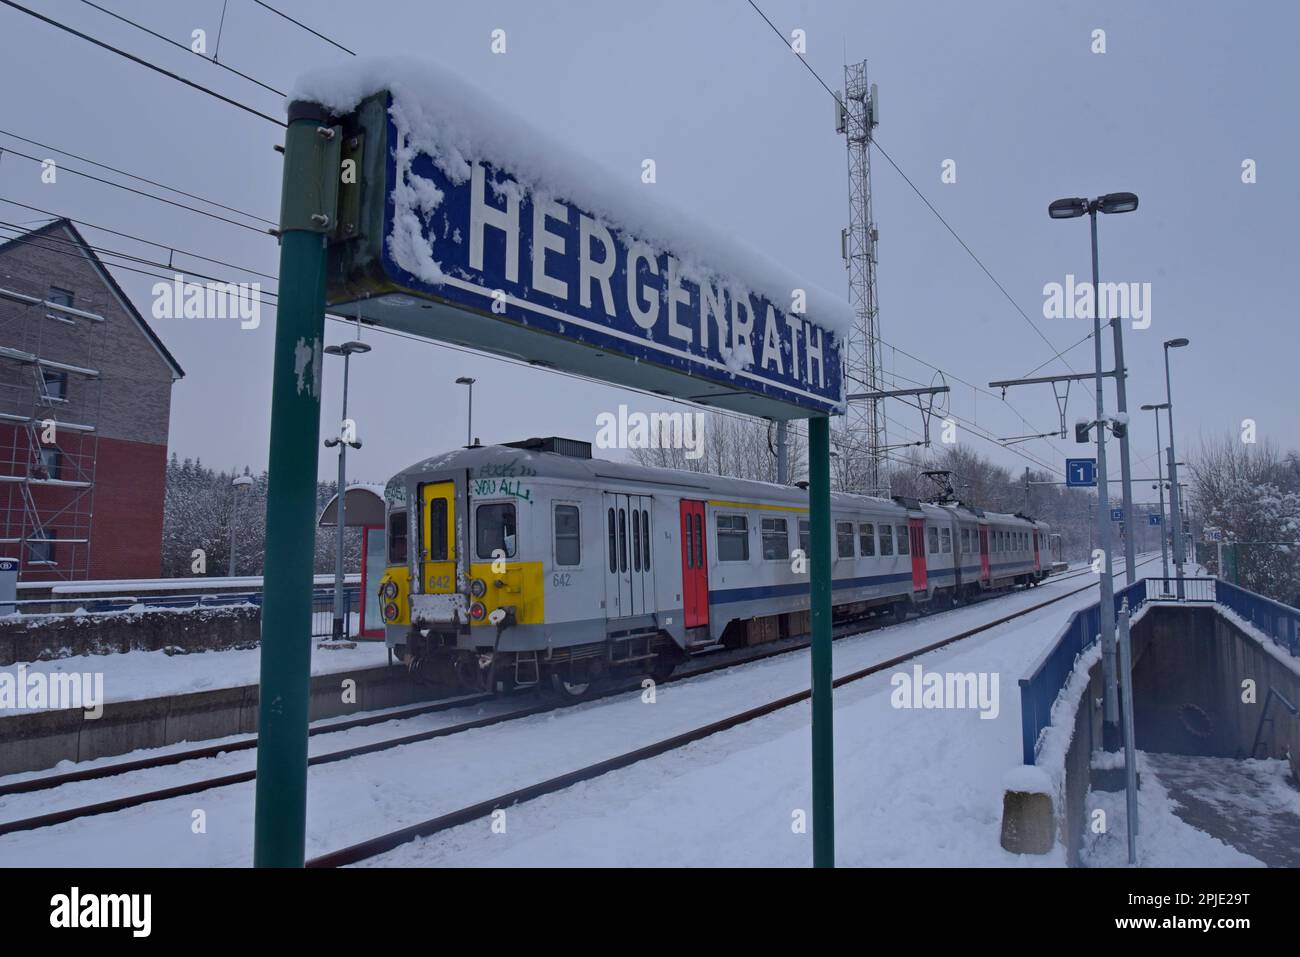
744, 137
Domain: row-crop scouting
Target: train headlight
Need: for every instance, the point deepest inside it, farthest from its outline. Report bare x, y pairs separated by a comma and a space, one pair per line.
477, 611
477, 587
389, 590
390, 611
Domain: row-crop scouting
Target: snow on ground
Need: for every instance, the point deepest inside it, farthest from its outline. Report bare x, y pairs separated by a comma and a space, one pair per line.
134, 675
914, 786
1164, 838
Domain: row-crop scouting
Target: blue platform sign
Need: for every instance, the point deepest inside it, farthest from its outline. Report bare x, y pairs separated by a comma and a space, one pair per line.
477, 258
1117, 515
1080, 472
1154, 519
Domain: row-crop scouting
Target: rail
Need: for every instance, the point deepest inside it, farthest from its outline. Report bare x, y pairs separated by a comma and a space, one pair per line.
1040, 691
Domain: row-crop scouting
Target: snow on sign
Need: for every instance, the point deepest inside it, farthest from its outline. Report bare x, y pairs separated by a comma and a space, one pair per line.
464, 225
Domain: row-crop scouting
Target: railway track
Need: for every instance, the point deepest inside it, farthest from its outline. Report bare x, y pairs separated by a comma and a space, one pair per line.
373, 847
241, 777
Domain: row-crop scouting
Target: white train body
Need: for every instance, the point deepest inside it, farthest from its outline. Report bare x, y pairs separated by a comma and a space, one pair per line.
511, 562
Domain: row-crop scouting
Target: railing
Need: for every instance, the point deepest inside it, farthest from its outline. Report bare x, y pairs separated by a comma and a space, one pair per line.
1280, 622
1039, 691
322, 605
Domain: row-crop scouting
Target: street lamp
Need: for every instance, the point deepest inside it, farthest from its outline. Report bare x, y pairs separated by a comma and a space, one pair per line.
1175, 493
469, 416
347, 437
1160, 484
1072, 208
239, 485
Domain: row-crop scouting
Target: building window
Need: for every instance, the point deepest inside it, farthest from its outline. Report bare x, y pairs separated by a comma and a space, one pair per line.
946, 535
40, 547
494, 527
904, 543
844, 539
61, 297
397, 538
52, 461
733, 538
867, 539
776, 539
568, 538
933, 535
55, 384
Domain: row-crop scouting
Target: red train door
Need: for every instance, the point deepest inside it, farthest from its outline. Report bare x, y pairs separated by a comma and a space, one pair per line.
916, 535
695, 572
1037, 563
984, 554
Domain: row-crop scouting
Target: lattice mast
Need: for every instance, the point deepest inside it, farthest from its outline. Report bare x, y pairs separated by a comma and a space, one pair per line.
857, 115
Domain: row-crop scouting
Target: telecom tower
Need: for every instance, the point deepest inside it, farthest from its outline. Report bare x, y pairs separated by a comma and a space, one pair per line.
863, 431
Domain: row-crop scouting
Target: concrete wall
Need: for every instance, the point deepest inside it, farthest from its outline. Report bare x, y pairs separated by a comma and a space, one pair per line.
1189, 663
42, 739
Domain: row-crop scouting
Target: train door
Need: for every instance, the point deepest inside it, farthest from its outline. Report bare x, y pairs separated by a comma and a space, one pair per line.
629, 580
1038, 565
984, 554
695, 570
438, 538
916, 536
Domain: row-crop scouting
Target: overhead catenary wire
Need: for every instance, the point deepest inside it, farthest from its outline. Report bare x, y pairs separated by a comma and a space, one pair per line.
970, 252
176, 43
135, 176
299, 23
144, 63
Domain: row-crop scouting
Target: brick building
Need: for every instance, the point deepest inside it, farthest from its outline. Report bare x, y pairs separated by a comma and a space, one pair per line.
85, 399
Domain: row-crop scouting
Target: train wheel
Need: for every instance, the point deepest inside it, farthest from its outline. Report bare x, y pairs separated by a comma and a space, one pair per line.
570, 690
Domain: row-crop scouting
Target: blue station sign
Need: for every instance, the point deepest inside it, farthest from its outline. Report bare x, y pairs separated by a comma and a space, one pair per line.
506, 269
1080, 473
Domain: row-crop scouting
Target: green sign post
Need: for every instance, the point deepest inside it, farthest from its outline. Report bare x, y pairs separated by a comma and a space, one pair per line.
307, 204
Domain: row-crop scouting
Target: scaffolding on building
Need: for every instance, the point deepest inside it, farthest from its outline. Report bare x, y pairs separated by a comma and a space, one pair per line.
49, 412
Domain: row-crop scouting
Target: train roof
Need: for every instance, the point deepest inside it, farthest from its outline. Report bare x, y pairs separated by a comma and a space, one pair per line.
508, 461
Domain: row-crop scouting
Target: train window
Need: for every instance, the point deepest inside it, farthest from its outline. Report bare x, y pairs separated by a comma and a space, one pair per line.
946, 535
844, 539
613, 544
932, 534
776, 539
867, 539
636, 542
805, 538
568, 540
622, 539
397, 538
699, 541
886, 547
965, 542
733, 538
645, 539
494, 528
438, 530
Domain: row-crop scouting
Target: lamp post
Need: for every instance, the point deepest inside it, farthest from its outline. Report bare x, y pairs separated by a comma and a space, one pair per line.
347, 437
469, 415
239, 485
1070, 209
1175, 493
1160, 484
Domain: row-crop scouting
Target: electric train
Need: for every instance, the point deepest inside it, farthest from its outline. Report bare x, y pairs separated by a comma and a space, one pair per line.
533, 563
